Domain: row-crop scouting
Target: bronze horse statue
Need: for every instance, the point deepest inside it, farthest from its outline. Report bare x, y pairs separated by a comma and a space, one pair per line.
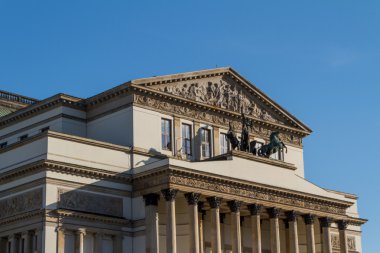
232, 138
275, 145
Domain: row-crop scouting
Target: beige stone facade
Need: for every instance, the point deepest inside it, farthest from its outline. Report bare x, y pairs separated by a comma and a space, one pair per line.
145, 167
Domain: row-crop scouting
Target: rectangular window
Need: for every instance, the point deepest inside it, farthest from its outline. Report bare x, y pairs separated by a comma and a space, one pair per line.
44, 129
23, 137
224, 144
186, 139
205, 143
166, 130
4, 145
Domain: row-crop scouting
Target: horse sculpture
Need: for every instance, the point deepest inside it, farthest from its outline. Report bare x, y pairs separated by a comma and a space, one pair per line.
275, 145
244, 145
232, 138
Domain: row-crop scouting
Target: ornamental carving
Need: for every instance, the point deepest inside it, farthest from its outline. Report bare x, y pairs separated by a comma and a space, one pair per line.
351, 243
90, 202
210, 116
20, 203
335, 244
225, 94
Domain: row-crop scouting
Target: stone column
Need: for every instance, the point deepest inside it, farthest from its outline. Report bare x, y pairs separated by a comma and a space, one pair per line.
293, 232
215, 224
326, 234
287, 239
98, 240
235, 225
255, 210
342, 225
201, 218
12, 242
38, 235
274, 230
171, 229
151, 223
79, 240
118, 243
216, 145
310, 239
60, 240
222, 231
192, 200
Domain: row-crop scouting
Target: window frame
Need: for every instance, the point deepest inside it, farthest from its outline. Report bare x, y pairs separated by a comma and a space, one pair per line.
205, 144
223, 136
188, 139
166, 135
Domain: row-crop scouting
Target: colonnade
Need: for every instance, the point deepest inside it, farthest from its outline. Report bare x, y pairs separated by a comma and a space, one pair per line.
26, 242
196, 223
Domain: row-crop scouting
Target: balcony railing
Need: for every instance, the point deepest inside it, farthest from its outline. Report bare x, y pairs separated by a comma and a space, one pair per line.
17, 98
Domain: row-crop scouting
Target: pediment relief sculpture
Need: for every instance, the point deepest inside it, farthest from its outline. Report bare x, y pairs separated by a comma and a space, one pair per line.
222, 93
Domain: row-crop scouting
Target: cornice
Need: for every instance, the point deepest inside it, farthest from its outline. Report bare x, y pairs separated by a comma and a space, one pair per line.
64, 168
252, 157
64, 213
40, 107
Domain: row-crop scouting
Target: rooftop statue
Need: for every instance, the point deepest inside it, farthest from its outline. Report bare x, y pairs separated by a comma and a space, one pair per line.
275, 145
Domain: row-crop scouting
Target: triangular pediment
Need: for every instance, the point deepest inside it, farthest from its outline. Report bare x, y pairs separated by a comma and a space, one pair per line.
223, 88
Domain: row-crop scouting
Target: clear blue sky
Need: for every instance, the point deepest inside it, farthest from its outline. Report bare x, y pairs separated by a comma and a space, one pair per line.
319, 59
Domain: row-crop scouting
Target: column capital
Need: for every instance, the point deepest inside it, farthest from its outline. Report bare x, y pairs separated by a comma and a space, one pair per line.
234, 205
59, 229
81, 231
309, 219
273, 212
151, 199
342, 224
255, 209
214, 202
169, 194
192, 198
222, 217
291, 216
325, 222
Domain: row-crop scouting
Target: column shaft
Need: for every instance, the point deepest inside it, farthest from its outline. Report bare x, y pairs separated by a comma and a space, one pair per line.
235, 232
274, 230
201, 229
98, 238
151, 223
342, 225
310, 239
60, 240
256, 227
79, 241
192, 200
326, 235
293, 237
215, 224
171, 229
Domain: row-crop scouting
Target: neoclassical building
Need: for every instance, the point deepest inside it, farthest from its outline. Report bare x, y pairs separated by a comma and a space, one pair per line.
147, 167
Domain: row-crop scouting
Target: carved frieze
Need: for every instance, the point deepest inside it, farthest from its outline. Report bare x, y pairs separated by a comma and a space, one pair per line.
90, 202
335, 243
351, 243
210, 116
223, 93
203, 183
25, 202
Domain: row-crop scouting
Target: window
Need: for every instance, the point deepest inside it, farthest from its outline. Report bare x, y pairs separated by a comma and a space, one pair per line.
186, 139
224, 144
205, 143
23, 137
4, 145
166, 130
44, 129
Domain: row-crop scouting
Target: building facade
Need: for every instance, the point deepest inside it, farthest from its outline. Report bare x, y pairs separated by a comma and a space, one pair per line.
147, 167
